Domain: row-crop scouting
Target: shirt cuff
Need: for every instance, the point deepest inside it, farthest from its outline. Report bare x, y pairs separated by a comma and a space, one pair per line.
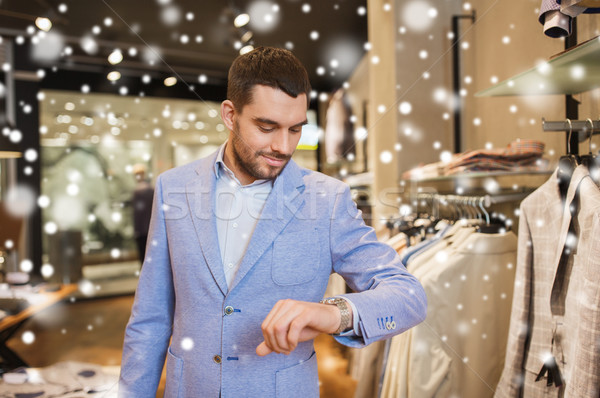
355, 331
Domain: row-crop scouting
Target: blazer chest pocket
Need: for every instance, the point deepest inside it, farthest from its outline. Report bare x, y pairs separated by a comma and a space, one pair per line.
296, 257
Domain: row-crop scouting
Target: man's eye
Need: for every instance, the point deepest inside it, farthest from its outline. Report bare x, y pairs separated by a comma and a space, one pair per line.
267, 129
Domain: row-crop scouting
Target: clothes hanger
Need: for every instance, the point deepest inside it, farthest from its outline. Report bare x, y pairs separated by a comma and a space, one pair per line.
590, 160
566, 166
453, 209
492, 225
487, 215
464, 212
472, 210
476, 207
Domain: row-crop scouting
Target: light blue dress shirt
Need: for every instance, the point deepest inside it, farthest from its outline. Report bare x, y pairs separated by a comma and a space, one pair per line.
238, 208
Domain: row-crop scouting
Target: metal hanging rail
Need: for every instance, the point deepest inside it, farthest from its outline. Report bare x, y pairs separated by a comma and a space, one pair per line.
575, 125
486, 200
477, 202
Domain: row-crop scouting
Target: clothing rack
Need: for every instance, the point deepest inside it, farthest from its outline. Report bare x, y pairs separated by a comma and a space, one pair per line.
485, 200
475, 202
573, 125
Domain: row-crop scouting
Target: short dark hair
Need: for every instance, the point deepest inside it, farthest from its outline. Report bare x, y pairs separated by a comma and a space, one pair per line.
269, 66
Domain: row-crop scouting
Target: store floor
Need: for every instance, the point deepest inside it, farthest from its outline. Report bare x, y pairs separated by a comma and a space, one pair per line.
92, 330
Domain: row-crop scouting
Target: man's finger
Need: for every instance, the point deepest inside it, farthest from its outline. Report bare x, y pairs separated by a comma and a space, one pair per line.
263, 350
275, 332
279, 311
281, 329
296, 327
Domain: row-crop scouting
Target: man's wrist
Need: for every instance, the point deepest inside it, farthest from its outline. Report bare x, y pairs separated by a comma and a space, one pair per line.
345, 313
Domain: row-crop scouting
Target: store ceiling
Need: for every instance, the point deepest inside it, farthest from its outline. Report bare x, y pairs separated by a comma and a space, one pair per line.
100, 117
189, 38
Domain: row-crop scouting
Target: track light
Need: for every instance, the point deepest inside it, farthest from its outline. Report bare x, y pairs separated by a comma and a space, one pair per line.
114, 76
246, 49
241, 20
170, 81
115, 57
246, 36
43, 24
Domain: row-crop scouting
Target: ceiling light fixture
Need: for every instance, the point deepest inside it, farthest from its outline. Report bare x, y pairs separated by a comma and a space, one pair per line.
246, 49
246, 36
113, 76
115, 57
43, 24
241, 20
170, 81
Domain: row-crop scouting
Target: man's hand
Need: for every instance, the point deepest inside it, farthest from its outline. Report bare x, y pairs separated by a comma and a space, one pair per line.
291, 322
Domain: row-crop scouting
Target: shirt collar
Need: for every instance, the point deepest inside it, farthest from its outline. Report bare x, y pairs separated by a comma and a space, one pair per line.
221, 170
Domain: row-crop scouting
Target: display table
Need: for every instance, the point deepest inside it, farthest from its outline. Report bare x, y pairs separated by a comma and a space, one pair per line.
38, 301
67, 379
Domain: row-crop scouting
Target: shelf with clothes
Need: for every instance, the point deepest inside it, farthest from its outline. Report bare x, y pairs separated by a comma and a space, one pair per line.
510, 172
552, 346
447, 220
519, 157
480, 175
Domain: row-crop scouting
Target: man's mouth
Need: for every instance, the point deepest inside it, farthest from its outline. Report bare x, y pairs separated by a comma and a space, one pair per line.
275, 161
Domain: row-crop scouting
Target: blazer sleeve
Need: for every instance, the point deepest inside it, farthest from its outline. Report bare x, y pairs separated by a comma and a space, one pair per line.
388, 299
513, 373
149, 329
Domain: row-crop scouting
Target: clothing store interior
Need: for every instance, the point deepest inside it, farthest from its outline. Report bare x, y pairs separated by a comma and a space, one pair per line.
466, 130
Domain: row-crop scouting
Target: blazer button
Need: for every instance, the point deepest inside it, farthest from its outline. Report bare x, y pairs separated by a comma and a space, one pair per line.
217, 359
228, 310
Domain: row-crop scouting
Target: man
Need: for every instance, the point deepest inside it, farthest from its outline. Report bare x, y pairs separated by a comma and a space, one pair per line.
241, 247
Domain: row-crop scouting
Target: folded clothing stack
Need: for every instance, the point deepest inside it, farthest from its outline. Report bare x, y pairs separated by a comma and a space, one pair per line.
518, 156
521, 155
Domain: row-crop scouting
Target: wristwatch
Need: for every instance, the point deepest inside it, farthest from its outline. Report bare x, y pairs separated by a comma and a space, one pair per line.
342, 304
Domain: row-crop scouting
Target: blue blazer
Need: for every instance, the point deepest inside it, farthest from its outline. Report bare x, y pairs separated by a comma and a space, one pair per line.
184, 311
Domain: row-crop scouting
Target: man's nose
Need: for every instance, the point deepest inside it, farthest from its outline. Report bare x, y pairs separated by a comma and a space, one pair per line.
281, 142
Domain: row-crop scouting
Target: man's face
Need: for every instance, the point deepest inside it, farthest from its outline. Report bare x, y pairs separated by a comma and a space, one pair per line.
264, 135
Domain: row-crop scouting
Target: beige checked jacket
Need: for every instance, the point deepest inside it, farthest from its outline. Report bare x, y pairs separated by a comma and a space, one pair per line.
556, 304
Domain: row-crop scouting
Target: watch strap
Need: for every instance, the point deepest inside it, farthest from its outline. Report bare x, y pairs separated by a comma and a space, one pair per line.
345, 321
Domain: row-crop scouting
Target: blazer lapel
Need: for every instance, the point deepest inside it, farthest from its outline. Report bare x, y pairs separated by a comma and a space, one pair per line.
282, 204
578, 175
200, 197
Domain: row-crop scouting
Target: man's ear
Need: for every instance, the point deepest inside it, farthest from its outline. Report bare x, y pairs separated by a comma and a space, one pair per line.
228, 114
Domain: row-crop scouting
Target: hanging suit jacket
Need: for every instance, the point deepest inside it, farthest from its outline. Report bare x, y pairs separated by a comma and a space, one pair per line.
555, 304
458, 349
183, 309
